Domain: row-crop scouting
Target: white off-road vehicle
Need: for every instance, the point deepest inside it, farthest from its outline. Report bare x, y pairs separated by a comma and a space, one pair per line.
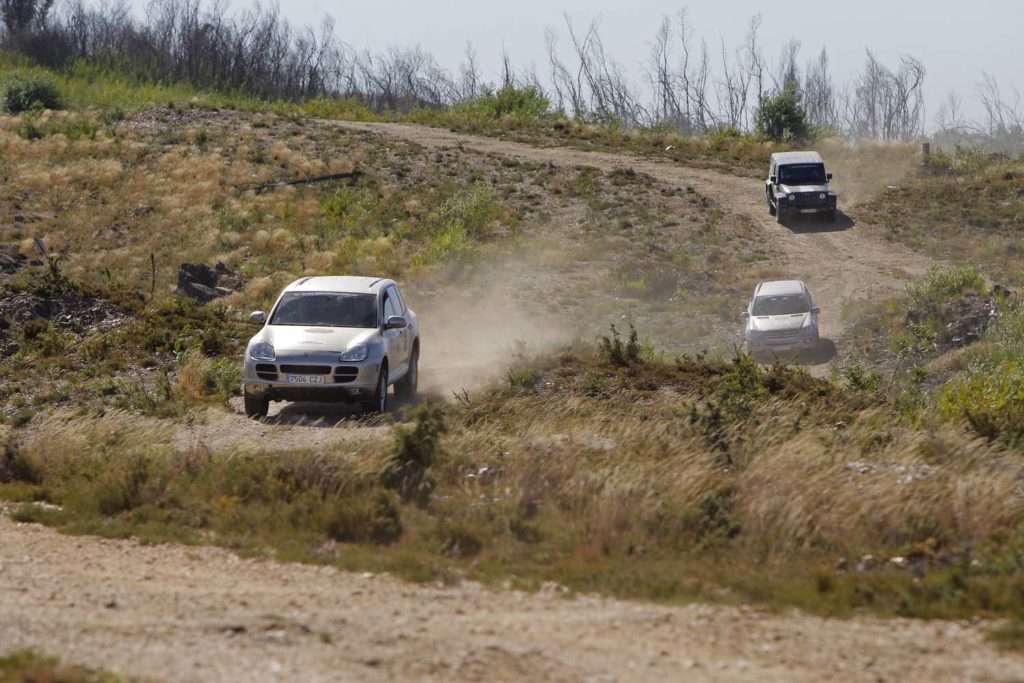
781, 318
797, 184
333, 339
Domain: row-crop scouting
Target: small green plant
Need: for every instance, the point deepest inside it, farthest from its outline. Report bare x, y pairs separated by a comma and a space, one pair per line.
617, 352
406, 468
859, 377
25, 90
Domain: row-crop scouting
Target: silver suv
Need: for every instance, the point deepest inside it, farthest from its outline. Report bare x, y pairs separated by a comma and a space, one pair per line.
333, 339
781, 317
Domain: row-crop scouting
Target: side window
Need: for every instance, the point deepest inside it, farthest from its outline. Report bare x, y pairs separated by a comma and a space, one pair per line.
389, 307
399, 301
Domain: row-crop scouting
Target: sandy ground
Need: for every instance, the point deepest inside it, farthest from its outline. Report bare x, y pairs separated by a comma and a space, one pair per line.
179, 613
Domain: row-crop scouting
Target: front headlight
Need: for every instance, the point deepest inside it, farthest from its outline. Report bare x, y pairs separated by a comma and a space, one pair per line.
791, 197
355, 354
821, 196
262, 351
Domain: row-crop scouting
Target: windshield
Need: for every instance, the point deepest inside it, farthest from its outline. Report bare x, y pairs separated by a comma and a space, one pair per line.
326, 309
789, 304
802, 174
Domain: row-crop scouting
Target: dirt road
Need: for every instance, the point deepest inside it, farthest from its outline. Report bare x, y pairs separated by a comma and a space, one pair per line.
179, 613
843, 262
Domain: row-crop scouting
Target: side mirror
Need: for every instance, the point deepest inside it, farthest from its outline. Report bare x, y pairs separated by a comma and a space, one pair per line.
816, 310
396, 322
258, 317
828, 177
774, 180
745, 315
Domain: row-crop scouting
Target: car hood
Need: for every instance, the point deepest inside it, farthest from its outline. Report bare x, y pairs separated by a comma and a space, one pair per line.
790, 189
286, 338
774, 323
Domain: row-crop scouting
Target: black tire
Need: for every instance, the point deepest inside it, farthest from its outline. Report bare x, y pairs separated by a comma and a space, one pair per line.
405, 388
780, 214
255, 407
771, 207
378, 403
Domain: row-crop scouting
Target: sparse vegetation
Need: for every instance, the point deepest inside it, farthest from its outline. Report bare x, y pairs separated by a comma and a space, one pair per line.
31, 667
533, 482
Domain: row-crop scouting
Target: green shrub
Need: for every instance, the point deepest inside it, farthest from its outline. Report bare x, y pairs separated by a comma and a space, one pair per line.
406, 468
782, 117
618, 353
26, 90
366, 518
944, 285
15, 466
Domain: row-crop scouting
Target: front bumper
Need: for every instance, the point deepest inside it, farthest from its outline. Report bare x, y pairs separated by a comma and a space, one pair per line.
804, 339
808, 203
317, 377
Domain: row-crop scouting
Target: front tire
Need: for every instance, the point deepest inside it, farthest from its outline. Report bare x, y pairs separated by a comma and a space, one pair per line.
779, 214
771, 207
256, 407
405, 388
378, 403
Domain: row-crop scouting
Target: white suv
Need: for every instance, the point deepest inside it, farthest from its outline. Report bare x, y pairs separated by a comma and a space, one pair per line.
781, 317
333, 339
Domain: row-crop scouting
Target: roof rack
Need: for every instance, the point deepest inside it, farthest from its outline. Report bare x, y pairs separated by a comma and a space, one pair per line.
374, 283
303, 281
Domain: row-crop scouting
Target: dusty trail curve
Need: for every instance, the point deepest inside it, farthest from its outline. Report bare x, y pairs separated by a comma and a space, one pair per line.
848, 261
178, 613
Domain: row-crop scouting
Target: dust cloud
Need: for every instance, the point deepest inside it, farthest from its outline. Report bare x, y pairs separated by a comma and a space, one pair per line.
865, 169
474, 326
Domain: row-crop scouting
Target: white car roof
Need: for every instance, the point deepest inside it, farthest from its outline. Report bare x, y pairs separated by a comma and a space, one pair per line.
797, 158
339, 283
780, 288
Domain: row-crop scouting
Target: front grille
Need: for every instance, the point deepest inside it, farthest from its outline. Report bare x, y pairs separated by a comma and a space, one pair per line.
306, 369
809, 199
784, 334
344, 375
267, 372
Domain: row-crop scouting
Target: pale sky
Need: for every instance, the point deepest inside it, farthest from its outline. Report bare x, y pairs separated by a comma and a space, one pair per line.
956, 41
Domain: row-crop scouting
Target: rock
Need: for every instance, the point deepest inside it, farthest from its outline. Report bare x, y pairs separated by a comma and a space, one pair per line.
899, 562
203, 283
842, 565
11, 260
867, 563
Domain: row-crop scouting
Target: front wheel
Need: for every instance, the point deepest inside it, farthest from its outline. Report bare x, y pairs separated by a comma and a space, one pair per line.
378, 403
405, 388
779, 214
256, 407
771, 207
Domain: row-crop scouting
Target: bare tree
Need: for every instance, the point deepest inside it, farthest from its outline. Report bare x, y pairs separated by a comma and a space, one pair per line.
820, 96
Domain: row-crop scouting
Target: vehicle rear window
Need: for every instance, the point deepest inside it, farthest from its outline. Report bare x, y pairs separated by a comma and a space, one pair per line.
326, 309
780, 305
802, 174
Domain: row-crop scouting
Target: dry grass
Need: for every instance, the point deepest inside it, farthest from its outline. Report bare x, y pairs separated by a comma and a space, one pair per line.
644, 479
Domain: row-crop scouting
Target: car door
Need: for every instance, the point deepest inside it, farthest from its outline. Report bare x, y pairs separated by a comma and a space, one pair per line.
395, 339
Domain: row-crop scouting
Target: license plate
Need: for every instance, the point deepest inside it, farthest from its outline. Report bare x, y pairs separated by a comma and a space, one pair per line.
305, 379
809, 210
